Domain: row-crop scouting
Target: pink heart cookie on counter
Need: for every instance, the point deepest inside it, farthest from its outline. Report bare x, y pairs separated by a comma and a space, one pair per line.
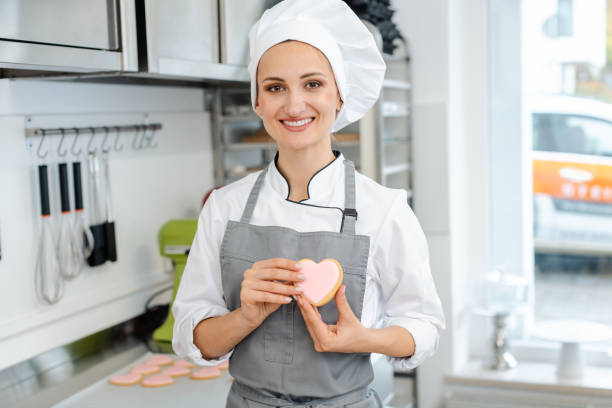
159, 360
177, 371
321, 280
206, 373
127, 379
183, 363
145, 369
159, 380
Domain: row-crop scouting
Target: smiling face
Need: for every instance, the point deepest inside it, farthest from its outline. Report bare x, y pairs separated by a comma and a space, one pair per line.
297, 97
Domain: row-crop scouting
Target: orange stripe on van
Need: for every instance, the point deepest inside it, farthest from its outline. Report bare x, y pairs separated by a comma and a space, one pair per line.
573, 180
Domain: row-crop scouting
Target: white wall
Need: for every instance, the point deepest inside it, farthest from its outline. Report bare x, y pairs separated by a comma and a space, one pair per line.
449, 60
149, 187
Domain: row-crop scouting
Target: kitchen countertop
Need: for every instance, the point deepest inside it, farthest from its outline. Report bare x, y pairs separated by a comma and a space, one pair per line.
184, 392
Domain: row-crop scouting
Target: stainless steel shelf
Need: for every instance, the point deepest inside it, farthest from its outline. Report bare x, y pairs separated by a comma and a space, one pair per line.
397, 168
240, 118
397, 84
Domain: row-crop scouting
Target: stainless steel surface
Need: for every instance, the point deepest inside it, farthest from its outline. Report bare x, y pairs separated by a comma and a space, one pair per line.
68, 35
234, 28
129, 46
185, 392
18, 55
56, 374
178, 33
202, 69
38, 132
75, 23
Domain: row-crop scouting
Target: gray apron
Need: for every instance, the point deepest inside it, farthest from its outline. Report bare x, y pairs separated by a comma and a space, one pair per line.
276, 365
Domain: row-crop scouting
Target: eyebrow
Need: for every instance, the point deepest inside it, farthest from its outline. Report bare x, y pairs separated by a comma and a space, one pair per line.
302, 77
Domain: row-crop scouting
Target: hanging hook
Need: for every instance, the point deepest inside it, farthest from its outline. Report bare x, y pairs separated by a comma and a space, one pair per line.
136, 146
42, 139
105, 151
93, 135
115, 146
151, 139
59, 146
145, 137
74, 142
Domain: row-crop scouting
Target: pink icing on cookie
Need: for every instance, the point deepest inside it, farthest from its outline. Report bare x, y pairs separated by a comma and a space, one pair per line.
128, 379
206, 373
145, 369
224, 365
159, 359
158, 380
183, 363
177, 371
321, 280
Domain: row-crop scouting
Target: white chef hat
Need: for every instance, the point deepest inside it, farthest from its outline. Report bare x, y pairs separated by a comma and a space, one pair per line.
333, 28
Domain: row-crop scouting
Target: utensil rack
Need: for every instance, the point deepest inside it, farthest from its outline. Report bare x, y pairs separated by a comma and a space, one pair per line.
39, 132
143, 138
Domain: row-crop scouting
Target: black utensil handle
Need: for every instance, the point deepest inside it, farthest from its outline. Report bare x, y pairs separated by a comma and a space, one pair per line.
98, 255
78, 189
111, 248
64, 195
43, 183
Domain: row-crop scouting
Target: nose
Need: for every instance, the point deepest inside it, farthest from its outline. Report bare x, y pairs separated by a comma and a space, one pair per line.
295, 103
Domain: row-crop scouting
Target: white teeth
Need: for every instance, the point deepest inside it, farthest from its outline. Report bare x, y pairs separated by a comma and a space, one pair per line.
298, 123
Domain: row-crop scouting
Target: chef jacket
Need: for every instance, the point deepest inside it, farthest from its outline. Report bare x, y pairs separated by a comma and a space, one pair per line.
399, 287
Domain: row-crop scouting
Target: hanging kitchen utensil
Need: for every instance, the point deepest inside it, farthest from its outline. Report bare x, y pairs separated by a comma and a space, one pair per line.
98, 255
68, 250
81, 231
109, 225
48, 281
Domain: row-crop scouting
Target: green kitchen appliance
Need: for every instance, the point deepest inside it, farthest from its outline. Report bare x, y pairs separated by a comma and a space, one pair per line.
175, 238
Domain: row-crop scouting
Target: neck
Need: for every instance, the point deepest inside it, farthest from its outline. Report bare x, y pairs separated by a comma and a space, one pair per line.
298, 167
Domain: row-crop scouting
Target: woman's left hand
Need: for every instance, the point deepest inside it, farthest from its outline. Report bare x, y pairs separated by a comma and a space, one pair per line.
346, 336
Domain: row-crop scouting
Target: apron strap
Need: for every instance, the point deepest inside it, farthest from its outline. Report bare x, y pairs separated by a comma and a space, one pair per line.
349, 214
250, 205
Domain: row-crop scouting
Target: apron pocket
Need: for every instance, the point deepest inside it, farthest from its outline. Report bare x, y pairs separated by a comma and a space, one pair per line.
278, 335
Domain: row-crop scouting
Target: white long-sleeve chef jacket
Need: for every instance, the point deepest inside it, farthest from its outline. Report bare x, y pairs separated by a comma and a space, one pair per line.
399, 287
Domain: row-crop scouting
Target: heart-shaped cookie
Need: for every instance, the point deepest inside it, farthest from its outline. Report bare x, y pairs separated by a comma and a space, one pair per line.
321, 280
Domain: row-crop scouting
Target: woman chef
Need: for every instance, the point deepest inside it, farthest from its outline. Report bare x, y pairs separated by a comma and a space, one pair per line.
314, 68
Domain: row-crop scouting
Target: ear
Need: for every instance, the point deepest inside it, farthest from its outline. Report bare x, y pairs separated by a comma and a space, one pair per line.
258, 110
339, 103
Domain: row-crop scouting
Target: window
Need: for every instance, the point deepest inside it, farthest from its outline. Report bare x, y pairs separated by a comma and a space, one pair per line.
559, 162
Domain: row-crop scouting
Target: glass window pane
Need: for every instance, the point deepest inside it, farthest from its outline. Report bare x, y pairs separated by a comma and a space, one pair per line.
567, 88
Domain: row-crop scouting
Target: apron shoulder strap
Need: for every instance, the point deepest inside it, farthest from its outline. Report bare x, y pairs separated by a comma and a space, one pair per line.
250, 205
349, 214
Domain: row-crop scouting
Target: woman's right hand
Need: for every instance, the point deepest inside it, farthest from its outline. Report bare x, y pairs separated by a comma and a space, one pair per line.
266, 286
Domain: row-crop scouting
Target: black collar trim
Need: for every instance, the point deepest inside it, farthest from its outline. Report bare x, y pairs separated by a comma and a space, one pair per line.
336, 154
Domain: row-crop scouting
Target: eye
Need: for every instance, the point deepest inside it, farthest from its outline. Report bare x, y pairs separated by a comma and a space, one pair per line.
313, 84
274, 88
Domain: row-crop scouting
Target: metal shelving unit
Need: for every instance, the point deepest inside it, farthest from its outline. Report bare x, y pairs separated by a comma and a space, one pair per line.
395, 151
387, 128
